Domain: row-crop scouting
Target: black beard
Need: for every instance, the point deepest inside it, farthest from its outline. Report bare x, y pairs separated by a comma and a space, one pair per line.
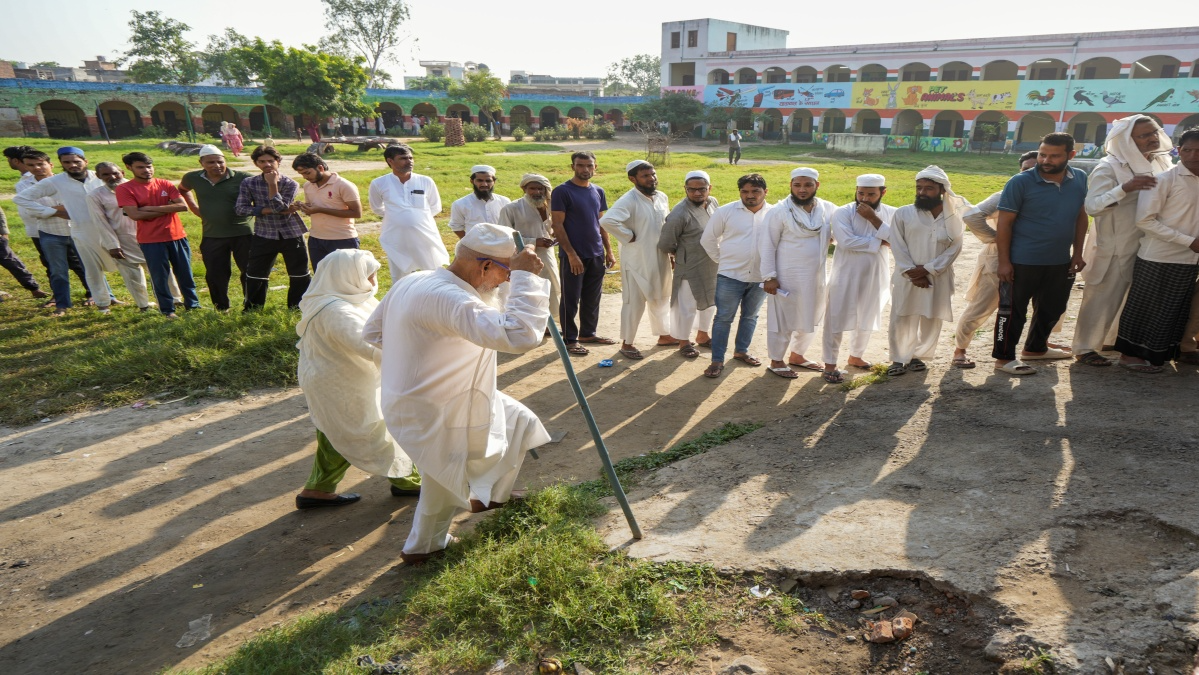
483, 194
700, 202
928, 203
647, 191
78, 175
873, 205
1053, 171
802, 202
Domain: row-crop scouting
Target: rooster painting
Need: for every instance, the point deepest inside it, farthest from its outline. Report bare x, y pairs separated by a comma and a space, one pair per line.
1036, 96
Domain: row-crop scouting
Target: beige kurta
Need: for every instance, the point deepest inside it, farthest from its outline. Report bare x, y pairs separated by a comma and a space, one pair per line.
918, 238
523, 217
636, 222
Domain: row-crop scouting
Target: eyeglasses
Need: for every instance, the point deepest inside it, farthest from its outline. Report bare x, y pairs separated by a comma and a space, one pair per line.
1147, 135
490, 260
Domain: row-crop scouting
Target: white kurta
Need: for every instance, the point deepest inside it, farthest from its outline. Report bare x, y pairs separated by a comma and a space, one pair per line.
469, 211
917, 238
858, 286
409, 235
793, 248
339, 374
439, 398
635, 220
523, 217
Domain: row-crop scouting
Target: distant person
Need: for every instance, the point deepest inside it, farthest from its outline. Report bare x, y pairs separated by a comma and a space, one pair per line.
734, 146
155, 204
530, 215
481, 205
278, 230
234, 139
1040, 235
11, 262
331, 203
1154, 323
407, 202
38, 168
584, 253
693, 290
211, 195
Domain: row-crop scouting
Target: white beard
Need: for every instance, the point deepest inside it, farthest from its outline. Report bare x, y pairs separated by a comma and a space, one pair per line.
492, 297
537, 203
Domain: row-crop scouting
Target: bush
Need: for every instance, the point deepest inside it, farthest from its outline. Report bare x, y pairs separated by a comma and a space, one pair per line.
558, 133
475, 133
519, 133
154, 131
604, 130
398, 130
433, 131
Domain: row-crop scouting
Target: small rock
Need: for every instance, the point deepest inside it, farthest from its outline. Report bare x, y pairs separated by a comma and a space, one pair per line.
787, 585
902, 624
946, 631
745, 664
851, 638
581, 669
909, 599
854, 604
859, 594
881, 633
886, 601
994, 651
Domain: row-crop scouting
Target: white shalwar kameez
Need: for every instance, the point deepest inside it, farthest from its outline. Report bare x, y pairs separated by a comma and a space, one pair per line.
409, 236
645, 276
523, 217
439, 341
917, 238
793, 248
469, 211
858, 286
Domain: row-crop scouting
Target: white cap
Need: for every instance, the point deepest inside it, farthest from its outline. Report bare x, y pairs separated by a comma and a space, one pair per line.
206, 150
698, 174
482, 168
636, 163
872, 180
805, 171
491, 240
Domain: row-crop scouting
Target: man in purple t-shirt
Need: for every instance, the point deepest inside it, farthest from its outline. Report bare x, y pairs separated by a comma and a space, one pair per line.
584, 252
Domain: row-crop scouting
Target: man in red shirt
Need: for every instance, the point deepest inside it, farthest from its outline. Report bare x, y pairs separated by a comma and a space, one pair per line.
155, 204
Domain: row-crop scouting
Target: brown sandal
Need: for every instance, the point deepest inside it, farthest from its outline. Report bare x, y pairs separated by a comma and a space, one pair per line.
576, 349
688, 352
715, 369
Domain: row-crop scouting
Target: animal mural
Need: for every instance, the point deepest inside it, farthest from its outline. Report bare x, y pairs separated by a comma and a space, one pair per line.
913, 96
978, 102
1194, 93
1082, 96
997, 98
1035, 96
1112, 99
1161, 98
868, 100
893, 92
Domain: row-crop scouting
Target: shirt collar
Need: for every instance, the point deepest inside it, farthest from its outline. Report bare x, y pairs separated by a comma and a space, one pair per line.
1183, 170
227, 176
1069, 175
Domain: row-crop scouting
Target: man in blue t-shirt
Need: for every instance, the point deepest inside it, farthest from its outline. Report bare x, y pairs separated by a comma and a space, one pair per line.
584, 252
1040, 233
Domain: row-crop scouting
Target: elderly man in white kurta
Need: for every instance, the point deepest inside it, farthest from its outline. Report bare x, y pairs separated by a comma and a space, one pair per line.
793, 248
439, 331
858, 286
530, 216
1137, 150
407, 203
482, 205
636, 221
926, 238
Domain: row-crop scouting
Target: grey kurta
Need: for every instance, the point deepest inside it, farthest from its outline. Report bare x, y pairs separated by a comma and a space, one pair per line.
680, 236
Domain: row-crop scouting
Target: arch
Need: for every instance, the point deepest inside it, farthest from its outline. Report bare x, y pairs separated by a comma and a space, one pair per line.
1099, 68
872, 72
907, 123
832, 121
170, 116
121, 119
392, 114
985, 131
1156, 66
597, 114
1047, 69
1087, 127
1155, 119
747, 76
459, 110
577, 113
1186, 123
549, 116
426, 110
915, 72
616, 117
774, 75
718, 76
1000, 70
1032, 127
804, 74
836, 73
273, 118
214, 114
801, 125
771, 123
867, 122
948, 124
955, 71
520, 116
63, 119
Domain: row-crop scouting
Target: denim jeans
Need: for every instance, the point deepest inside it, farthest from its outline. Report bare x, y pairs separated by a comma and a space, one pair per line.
731, 294
165, 258
319, 248
56, 249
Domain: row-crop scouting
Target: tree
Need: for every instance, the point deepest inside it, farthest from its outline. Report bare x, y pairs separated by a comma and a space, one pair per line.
46, 64
159, 51
307, 82
639, 75
481, 89
369, 27
676, 108
236, 60
430, 83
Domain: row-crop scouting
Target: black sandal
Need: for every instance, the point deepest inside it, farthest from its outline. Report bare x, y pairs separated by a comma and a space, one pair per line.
1093, 359
576, 349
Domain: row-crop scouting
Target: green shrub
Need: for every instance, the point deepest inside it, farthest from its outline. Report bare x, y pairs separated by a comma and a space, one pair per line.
519, 133
604, 130
398, 130
474, 133
154, 131
433, 131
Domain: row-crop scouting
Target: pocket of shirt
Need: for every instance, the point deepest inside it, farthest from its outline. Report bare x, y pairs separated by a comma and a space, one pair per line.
416, 200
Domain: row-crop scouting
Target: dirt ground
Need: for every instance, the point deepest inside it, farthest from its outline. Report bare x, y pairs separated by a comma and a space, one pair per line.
1052, 512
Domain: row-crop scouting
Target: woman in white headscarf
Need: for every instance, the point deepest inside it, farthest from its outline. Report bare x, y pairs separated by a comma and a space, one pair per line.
339, 373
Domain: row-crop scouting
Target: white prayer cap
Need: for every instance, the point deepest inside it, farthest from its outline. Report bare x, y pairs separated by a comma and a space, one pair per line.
534, 178
206, 150
934, 173
698, 174
872, 180
636, 163
491, 240
807, 172
482, 168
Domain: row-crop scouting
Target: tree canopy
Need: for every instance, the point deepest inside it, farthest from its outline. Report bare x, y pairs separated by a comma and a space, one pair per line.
481, 89
370, 28
234, 59
676, 108
308, 82
639, 75
159, 52
430, 83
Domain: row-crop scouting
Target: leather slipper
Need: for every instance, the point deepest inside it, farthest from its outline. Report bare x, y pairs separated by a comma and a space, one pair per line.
304, 503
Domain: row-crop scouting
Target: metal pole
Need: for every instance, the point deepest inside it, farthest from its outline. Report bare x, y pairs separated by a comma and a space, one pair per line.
266, 119
103, 126
187, 114
596, 436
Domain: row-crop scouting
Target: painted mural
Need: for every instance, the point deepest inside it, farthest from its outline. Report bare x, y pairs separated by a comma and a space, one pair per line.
1171, 95
967, 95
782, 96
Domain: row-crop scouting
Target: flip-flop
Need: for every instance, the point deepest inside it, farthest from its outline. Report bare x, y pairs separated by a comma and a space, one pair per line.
705, 345
576, 349
1093, 359
1143, 368
748, 360
916, 366
832, 376
896, 369
784, 372
868, 366
807, 365
1049, 354
597, 340
714, 370
632, 353
962, 361
688, 352
1016, 368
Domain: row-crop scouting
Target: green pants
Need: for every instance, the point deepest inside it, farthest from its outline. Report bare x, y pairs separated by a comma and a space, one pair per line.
329, 467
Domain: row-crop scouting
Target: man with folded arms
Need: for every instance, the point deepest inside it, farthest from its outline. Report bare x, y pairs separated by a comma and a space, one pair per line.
693, 293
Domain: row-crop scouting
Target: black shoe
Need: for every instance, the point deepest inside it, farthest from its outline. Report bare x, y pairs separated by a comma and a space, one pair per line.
401, 492
314, 503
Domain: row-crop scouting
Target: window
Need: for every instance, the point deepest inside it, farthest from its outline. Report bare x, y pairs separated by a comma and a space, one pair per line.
954, 75
688, 80
692, 38
674, 40
730, 42
872, 77
1088, 73
1169, 70
911, 76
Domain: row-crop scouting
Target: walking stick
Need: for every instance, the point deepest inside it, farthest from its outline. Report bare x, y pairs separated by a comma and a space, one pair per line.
596, 436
